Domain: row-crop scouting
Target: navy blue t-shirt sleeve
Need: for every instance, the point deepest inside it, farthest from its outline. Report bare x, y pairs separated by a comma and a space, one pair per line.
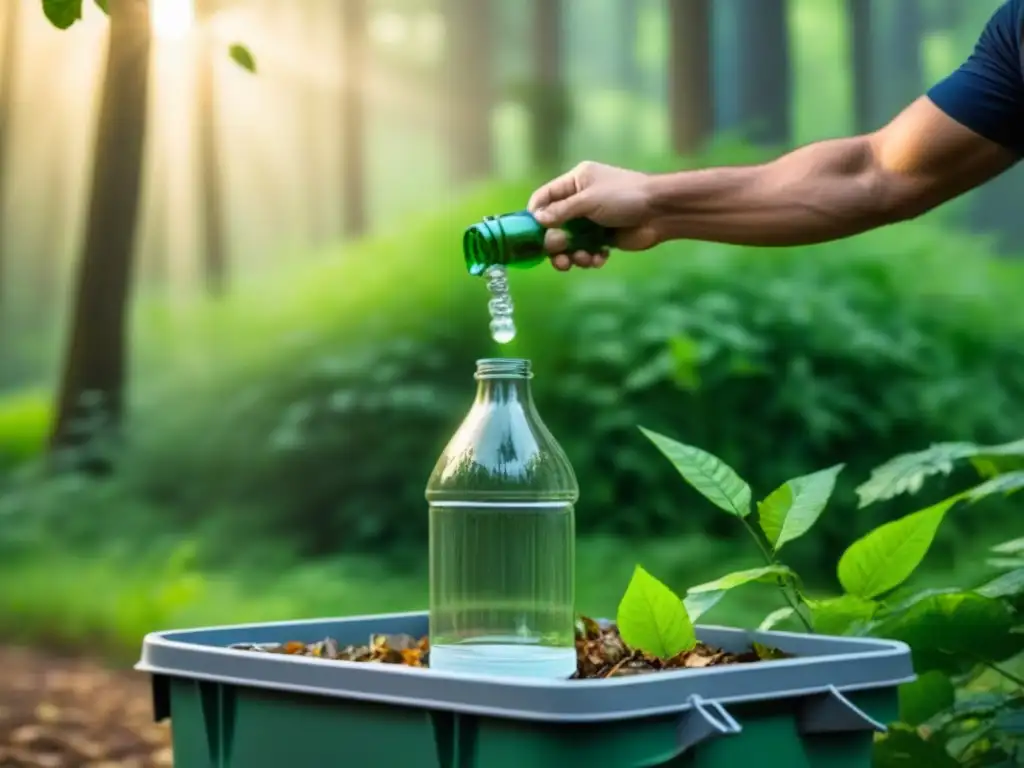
986, 94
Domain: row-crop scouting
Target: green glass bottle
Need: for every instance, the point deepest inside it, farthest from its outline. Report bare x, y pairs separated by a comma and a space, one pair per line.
517, 240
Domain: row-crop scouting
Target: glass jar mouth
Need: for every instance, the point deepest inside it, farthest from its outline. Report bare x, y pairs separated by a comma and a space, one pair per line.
503, 368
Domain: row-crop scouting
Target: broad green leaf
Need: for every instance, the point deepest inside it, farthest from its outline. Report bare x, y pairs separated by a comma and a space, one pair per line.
903, 747
768, 573
924, 698
794, 507
702, 602
243, 57
951, 632
652, 618
775, 618
1009, 584
885, 558
102, 5
706, 473
835, 616
62, 13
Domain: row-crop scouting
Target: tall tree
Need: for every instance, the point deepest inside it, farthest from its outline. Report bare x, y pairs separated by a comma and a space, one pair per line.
764, 71
858, 22
548, 95
900, 74
628, 30
690, 92
95, 364
470, 84
8, 63
215, 252
354, 50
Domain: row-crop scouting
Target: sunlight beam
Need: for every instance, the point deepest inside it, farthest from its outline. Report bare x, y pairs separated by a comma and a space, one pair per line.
172, 20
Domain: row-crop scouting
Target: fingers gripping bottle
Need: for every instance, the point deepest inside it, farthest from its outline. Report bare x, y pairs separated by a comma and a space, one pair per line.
502, 537
517, 240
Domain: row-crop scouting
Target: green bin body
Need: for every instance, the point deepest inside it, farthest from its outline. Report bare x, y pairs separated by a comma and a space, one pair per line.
238, 709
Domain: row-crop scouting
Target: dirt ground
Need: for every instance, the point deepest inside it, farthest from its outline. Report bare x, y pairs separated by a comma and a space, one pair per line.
58, 712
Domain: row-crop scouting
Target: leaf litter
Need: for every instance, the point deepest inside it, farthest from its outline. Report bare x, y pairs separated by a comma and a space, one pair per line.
600, 653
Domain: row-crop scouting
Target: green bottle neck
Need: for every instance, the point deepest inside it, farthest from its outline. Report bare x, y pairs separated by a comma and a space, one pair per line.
517, 240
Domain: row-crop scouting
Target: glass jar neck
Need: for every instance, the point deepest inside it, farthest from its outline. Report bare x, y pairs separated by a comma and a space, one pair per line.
503, 380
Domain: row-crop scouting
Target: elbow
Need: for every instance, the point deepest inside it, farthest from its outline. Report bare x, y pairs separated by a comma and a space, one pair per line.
889, 198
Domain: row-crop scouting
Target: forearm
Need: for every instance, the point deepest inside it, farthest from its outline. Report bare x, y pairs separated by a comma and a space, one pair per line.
818, 193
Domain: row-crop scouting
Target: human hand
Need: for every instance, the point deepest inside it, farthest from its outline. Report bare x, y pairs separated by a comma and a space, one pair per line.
609, 196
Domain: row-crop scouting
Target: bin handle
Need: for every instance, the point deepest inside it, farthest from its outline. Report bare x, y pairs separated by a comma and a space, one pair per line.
702, 721
832, 712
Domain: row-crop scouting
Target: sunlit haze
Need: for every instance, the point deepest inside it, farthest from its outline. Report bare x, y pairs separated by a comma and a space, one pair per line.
172, 19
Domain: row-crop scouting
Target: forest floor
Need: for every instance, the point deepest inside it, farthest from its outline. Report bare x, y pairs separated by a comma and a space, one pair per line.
61, 712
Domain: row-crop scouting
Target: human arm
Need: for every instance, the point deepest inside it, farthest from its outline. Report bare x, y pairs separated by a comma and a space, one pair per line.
967, 130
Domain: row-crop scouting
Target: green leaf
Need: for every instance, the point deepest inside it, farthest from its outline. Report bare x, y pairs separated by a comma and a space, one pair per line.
706, 473
835, 616
903, 747
953, 631
243, 57
62, 13
102, 5
924, 698
794, 507
775, 618
699, 604
1009, 584
907, 473
1014, 547
652, 618
999, 485
885, 558
768, 573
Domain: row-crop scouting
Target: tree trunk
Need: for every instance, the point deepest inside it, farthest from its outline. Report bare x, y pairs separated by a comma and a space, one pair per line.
900, 75
9, 54
858, 20
215, 254
550, 100
471, 65
690, 96
628, 66
92, 389
764, 72
354, 50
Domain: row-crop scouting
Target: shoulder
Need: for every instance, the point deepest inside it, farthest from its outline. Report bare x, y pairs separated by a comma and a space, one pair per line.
986, 94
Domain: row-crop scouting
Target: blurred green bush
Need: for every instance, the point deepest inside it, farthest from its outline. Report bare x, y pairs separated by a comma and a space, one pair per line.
308, 409
24, 426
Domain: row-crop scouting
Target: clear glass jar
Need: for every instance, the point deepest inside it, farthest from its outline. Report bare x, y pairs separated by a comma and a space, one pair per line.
502, 537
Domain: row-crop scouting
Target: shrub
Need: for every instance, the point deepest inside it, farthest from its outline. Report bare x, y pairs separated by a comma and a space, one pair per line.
311, 409
964, 708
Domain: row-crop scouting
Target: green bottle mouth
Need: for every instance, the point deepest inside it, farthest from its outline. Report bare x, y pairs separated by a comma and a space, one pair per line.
482, 245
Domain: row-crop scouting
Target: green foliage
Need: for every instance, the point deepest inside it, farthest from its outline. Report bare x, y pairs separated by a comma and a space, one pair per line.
957, 636
243, 57
703, 597
314, 420
794, 507
926, 697
63, 13
885, 558
24, 426
839, 615
951, 632
651, 616
706, 473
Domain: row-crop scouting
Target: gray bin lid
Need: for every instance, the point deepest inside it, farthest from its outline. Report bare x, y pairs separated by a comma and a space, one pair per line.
824, 665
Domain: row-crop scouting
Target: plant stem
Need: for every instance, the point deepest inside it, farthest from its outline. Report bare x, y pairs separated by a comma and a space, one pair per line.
770, 559
1008, 675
